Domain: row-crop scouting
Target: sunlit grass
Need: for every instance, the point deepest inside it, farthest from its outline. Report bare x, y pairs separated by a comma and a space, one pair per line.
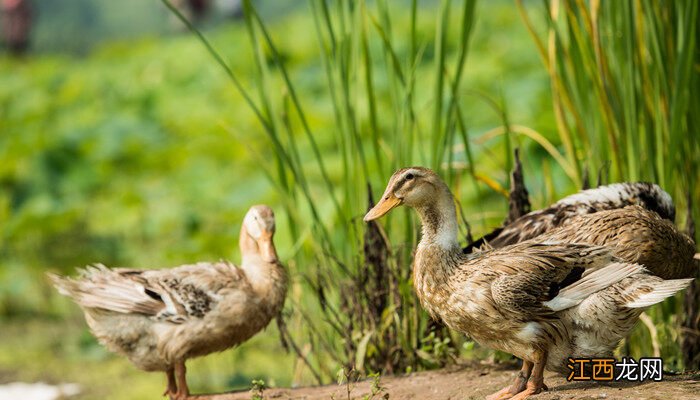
348, 36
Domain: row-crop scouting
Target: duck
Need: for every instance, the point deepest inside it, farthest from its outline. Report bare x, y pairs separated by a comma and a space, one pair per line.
608, 197
161, 318
540, 301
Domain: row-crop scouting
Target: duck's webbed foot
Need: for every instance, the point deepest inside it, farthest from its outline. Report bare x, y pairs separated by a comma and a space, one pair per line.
531, 389
519, 384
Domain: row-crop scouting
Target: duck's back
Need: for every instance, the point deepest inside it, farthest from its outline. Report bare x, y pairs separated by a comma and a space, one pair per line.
610, 197
636, 235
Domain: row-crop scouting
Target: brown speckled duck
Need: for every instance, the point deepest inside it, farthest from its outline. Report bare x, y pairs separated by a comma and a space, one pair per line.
161, 318
534, 300
586, 202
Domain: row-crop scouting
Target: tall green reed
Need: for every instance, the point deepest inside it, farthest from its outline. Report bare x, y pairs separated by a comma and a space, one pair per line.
623, 75
365, 316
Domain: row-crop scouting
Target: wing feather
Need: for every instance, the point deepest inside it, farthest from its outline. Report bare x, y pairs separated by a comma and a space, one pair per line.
177, 294
539, 279
100, 287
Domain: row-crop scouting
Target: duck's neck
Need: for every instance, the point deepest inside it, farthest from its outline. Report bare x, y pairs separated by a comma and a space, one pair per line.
437, 254
268, 279
439, 224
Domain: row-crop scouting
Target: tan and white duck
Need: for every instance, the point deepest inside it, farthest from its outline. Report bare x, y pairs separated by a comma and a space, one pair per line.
161, 318
534, 300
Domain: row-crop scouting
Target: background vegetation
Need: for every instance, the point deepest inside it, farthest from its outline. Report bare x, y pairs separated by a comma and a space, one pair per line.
141, 153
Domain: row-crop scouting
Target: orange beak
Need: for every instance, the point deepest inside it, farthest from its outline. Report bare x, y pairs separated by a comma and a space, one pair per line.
267, 249
385, 205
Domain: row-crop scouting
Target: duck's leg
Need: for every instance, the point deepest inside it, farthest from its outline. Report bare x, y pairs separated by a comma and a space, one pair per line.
171, 390
518, 385
183, 392
536, 383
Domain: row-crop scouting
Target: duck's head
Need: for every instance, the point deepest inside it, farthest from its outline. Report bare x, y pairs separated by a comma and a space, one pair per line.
414, 187
259, 225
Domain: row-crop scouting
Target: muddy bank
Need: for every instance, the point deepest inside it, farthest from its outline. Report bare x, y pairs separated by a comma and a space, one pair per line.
477, 381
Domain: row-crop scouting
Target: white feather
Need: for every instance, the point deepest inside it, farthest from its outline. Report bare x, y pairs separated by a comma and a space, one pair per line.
251, 223
591, 283
618, 193
661, 291
529, 332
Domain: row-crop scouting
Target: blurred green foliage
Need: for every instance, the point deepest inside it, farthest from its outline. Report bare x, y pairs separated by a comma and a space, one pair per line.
142, 154
78, 26
118, 158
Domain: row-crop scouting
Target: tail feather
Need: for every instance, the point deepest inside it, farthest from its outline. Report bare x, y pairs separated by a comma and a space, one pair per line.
99, 287
592, 282
661, 291
65, 286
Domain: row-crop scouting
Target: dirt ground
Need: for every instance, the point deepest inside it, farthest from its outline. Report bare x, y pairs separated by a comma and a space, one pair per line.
476, 382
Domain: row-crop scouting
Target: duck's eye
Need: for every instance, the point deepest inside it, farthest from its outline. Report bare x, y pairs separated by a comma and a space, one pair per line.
409, 177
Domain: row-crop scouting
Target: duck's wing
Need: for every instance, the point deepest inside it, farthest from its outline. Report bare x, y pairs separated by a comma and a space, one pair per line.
193, 290
536, 280
174, 295
609, 197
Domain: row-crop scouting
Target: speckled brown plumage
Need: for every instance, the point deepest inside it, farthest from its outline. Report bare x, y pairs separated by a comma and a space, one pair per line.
161, 318
618, 195
541, 301
636, 235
